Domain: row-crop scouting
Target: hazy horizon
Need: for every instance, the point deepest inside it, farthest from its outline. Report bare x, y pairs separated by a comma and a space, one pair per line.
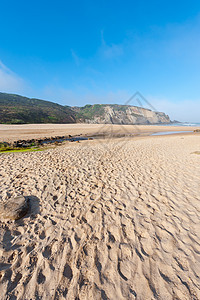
85, 53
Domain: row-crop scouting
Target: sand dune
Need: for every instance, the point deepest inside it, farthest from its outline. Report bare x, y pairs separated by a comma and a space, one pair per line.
112, 219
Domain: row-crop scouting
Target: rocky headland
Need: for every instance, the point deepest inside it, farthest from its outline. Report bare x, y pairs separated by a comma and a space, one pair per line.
16, 109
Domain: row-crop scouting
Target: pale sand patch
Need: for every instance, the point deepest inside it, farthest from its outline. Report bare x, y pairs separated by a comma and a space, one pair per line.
117, 219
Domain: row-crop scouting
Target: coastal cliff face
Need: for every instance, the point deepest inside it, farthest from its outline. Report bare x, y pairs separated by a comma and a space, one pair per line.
120, 114
16, 109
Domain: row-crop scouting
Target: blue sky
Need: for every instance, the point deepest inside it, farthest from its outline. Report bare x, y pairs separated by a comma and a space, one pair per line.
80, 52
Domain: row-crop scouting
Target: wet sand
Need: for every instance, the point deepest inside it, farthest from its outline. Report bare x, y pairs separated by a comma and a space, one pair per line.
109, 219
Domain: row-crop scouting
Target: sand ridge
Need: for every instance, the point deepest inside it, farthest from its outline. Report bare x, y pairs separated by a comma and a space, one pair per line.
116, 219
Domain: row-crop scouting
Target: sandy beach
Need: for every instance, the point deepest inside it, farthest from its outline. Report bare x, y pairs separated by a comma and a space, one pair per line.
10, 133
108, 219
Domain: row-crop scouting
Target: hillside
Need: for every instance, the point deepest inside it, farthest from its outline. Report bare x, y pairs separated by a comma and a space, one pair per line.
16, 109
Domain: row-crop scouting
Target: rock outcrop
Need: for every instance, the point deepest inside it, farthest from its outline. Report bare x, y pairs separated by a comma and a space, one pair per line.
14, 208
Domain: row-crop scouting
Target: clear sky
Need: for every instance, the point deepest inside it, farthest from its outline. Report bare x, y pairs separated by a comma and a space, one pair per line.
80, 52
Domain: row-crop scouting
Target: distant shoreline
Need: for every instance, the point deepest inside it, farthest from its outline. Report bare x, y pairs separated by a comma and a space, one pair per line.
188, 124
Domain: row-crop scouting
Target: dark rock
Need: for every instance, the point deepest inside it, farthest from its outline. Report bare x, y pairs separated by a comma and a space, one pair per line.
14, 208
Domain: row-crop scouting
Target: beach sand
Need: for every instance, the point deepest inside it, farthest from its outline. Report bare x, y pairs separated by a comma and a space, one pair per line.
108, 219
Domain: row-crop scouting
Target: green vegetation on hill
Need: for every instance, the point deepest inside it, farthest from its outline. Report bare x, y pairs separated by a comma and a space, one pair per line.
89, 111
15, 109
